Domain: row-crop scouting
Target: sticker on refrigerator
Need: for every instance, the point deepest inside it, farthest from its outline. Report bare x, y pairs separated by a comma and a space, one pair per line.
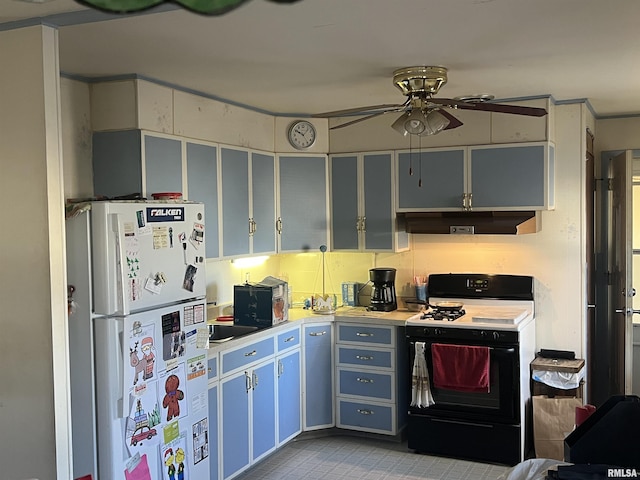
174, 458
142, 356
160, 238
200, 440
137, 468
174, 395
197, 235
189, 277
195, 367
163, 214
173, 338
143, 421
193, 314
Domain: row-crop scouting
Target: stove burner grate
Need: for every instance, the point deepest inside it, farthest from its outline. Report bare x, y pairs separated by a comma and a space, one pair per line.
444, 315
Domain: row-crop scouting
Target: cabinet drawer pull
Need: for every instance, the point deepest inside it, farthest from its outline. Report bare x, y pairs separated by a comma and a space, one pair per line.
250, 354
317, 334
364, 380
364, 357
210, 369
364, 411
254, 376
247, 382
364, 334
290, 339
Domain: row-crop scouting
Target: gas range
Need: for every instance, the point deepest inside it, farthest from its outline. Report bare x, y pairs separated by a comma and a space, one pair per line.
496, 302
514, 316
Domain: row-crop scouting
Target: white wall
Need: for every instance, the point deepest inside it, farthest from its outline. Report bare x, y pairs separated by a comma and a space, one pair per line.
34, 412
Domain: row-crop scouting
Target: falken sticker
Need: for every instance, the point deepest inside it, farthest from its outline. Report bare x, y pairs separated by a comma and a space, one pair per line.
165, 214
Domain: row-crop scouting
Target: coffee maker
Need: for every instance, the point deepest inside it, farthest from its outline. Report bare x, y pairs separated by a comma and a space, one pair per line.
383, 292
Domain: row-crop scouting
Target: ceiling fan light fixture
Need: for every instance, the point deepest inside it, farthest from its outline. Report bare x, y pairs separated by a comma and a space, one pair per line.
417, 122
435, 122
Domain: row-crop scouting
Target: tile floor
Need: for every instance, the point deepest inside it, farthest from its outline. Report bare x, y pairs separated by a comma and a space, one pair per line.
345, 458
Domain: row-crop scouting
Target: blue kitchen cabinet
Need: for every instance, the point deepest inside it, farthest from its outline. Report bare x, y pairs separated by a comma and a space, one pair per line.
302, 221
263, 411
513, 176
363, 216
248, 418
289, 384
234, 183
318, 376
442, 172
263, 203
202, 186
248, 202
235, 423
506, 177
214, 463
371, 394
346, 218
289, 396
134, 161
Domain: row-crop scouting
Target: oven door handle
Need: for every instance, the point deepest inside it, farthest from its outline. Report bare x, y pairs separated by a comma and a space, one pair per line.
459, 422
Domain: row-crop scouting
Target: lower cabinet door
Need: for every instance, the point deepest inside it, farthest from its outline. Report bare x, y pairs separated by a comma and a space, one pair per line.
263, 409
289, 397
214, 460
235, 423
318, 377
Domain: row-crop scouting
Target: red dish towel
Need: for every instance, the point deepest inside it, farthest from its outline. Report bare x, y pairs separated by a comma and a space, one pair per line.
460, 367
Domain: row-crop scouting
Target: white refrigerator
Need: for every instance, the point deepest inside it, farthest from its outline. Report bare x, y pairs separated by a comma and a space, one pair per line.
138, 340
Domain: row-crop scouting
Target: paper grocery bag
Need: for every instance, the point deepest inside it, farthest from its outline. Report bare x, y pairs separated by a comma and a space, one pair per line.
553, 420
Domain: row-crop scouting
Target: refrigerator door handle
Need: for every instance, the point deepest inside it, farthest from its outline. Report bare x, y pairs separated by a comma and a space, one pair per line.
121, 305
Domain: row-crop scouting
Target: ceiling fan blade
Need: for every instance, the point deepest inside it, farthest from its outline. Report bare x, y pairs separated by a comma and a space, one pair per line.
512, 109
490, 107
393, 107
358, 120
453, 121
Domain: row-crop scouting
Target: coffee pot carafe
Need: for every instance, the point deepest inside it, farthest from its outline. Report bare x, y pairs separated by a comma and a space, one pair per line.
383, 291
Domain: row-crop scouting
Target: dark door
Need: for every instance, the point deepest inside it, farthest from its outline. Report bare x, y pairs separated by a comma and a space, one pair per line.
621, 292
610, 344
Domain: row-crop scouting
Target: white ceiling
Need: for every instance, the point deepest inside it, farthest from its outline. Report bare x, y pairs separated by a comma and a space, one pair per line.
321, 55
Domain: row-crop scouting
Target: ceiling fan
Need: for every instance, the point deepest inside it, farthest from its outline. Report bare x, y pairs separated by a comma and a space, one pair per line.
422, 114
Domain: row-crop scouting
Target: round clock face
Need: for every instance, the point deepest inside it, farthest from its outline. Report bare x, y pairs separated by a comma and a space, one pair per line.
302, 134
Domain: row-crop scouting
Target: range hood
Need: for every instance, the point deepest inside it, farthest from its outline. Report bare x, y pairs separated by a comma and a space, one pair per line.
471, 223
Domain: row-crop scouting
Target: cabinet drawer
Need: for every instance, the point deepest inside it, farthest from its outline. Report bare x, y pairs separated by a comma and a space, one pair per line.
366, 416
317, 335
369, 384
212, 364
246, 354
366, 334
369, 357
288, 339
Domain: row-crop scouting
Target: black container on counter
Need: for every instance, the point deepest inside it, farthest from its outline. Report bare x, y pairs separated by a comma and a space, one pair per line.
262, 304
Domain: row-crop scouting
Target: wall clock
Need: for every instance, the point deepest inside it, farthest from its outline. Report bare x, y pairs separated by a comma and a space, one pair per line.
301, 134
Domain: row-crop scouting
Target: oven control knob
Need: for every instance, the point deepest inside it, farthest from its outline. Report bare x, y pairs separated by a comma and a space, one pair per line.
426, 331
496, 336
483, 334
438, 331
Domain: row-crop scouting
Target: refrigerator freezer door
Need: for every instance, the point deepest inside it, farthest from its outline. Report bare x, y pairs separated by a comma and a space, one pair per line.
146, 254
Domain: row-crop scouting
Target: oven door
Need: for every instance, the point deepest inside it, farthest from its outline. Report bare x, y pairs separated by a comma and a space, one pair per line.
500, 404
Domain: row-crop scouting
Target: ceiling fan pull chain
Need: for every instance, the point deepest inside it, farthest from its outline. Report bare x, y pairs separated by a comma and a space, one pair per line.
410, 157
420, 160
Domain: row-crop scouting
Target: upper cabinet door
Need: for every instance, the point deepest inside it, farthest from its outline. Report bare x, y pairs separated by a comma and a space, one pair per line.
162, 164
303, 223
442, 173
345, 214
235, 202
512, 177
117, 163
378, 217
263, 211
202, 182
